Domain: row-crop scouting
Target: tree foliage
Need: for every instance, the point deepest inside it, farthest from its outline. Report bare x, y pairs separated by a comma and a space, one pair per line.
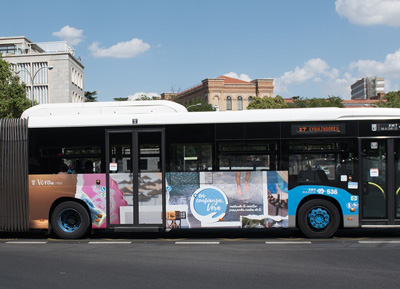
13, 99
139, 96
145, 96
267, 103
198, 104
391, 99
121, 98
331, 101
298, 102
90, 96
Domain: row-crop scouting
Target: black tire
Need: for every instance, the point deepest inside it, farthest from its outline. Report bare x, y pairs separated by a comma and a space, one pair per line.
318, 218
70, 220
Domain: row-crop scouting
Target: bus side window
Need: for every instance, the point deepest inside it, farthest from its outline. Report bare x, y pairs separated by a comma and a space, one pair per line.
190, 157
324, 161
247, 156
312, 177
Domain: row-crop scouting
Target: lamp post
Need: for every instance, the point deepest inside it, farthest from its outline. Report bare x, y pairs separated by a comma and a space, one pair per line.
32, 78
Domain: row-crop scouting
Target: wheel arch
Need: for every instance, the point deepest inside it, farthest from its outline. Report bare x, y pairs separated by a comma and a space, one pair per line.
68, 199
320, 197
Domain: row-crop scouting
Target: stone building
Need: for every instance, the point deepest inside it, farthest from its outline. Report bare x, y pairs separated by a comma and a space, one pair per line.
225, 93
50, 70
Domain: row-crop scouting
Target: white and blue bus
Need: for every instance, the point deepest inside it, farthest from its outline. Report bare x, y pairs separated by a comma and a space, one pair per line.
151, 165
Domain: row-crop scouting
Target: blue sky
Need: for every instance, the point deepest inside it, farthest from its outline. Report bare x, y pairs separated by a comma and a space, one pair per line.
311, 48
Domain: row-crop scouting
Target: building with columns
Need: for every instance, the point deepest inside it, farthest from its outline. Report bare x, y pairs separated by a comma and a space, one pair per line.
225, 93
50, 70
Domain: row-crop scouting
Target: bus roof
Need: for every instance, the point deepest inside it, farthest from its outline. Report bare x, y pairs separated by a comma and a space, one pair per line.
160, 112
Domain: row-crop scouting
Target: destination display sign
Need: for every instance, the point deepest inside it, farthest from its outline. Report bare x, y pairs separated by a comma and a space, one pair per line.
317, 129
385, 126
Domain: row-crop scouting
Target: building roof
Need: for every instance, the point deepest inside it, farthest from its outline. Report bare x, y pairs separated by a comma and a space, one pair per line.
14, 38
232, 80
227, 80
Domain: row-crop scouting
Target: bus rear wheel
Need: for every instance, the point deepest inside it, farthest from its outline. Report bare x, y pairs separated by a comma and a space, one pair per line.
70, 220
318, 218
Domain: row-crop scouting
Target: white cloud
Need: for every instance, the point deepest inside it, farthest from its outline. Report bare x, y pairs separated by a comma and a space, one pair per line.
388, 68
315, 69
339, 86
315, 76
126, 49
242, 76
139, 95
389, 86
370, 12
316, 79
311, 70
70, 34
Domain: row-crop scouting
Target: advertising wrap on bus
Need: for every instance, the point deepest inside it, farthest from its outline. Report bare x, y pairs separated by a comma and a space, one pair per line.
349, 204
247, 199
227, 199
193, 199
90, 188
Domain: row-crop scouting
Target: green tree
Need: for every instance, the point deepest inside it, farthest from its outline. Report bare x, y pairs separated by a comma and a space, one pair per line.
148, 96
331, 101
90, 96
334, 101
120, 98
299, 102
198, 104
391, 99
13, 99
267, 103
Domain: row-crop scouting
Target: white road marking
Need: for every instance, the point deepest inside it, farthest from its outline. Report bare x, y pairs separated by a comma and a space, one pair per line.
288, 242
197, 243
26, 242
379, 242
102, 242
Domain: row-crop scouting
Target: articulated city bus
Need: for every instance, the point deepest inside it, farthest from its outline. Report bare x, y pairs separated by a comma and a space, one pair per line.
151, 165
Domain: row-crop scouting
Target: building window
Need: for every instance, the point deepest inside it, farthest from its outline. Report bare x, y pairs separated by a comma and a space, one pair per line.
39, 73
250, 99
239, 103
9, 49
229, 103
73, 75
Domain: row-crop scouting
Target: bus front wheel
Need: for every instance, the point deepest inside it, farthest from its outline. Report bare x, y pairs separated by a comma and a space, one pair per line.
318, 218
70, 220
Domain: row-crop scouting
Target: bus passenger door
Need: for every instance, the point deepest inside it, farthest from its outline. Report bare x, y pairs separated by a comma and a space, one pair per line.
380, 167
135, 183
150, 177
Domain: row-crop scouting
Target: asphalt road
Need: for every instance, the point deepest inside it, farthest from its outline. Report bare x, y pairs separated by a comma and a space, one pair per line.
279, 259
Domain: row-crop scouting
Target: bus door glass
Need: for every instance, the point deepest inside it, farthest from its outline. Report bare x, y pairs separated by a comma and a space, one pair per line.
121, 197
377, 160
136, 178
150, 178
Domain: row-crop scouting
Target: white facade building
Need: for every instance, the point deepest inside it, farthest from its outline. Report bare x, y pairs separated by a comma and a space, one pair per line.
368, 88
50, 70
